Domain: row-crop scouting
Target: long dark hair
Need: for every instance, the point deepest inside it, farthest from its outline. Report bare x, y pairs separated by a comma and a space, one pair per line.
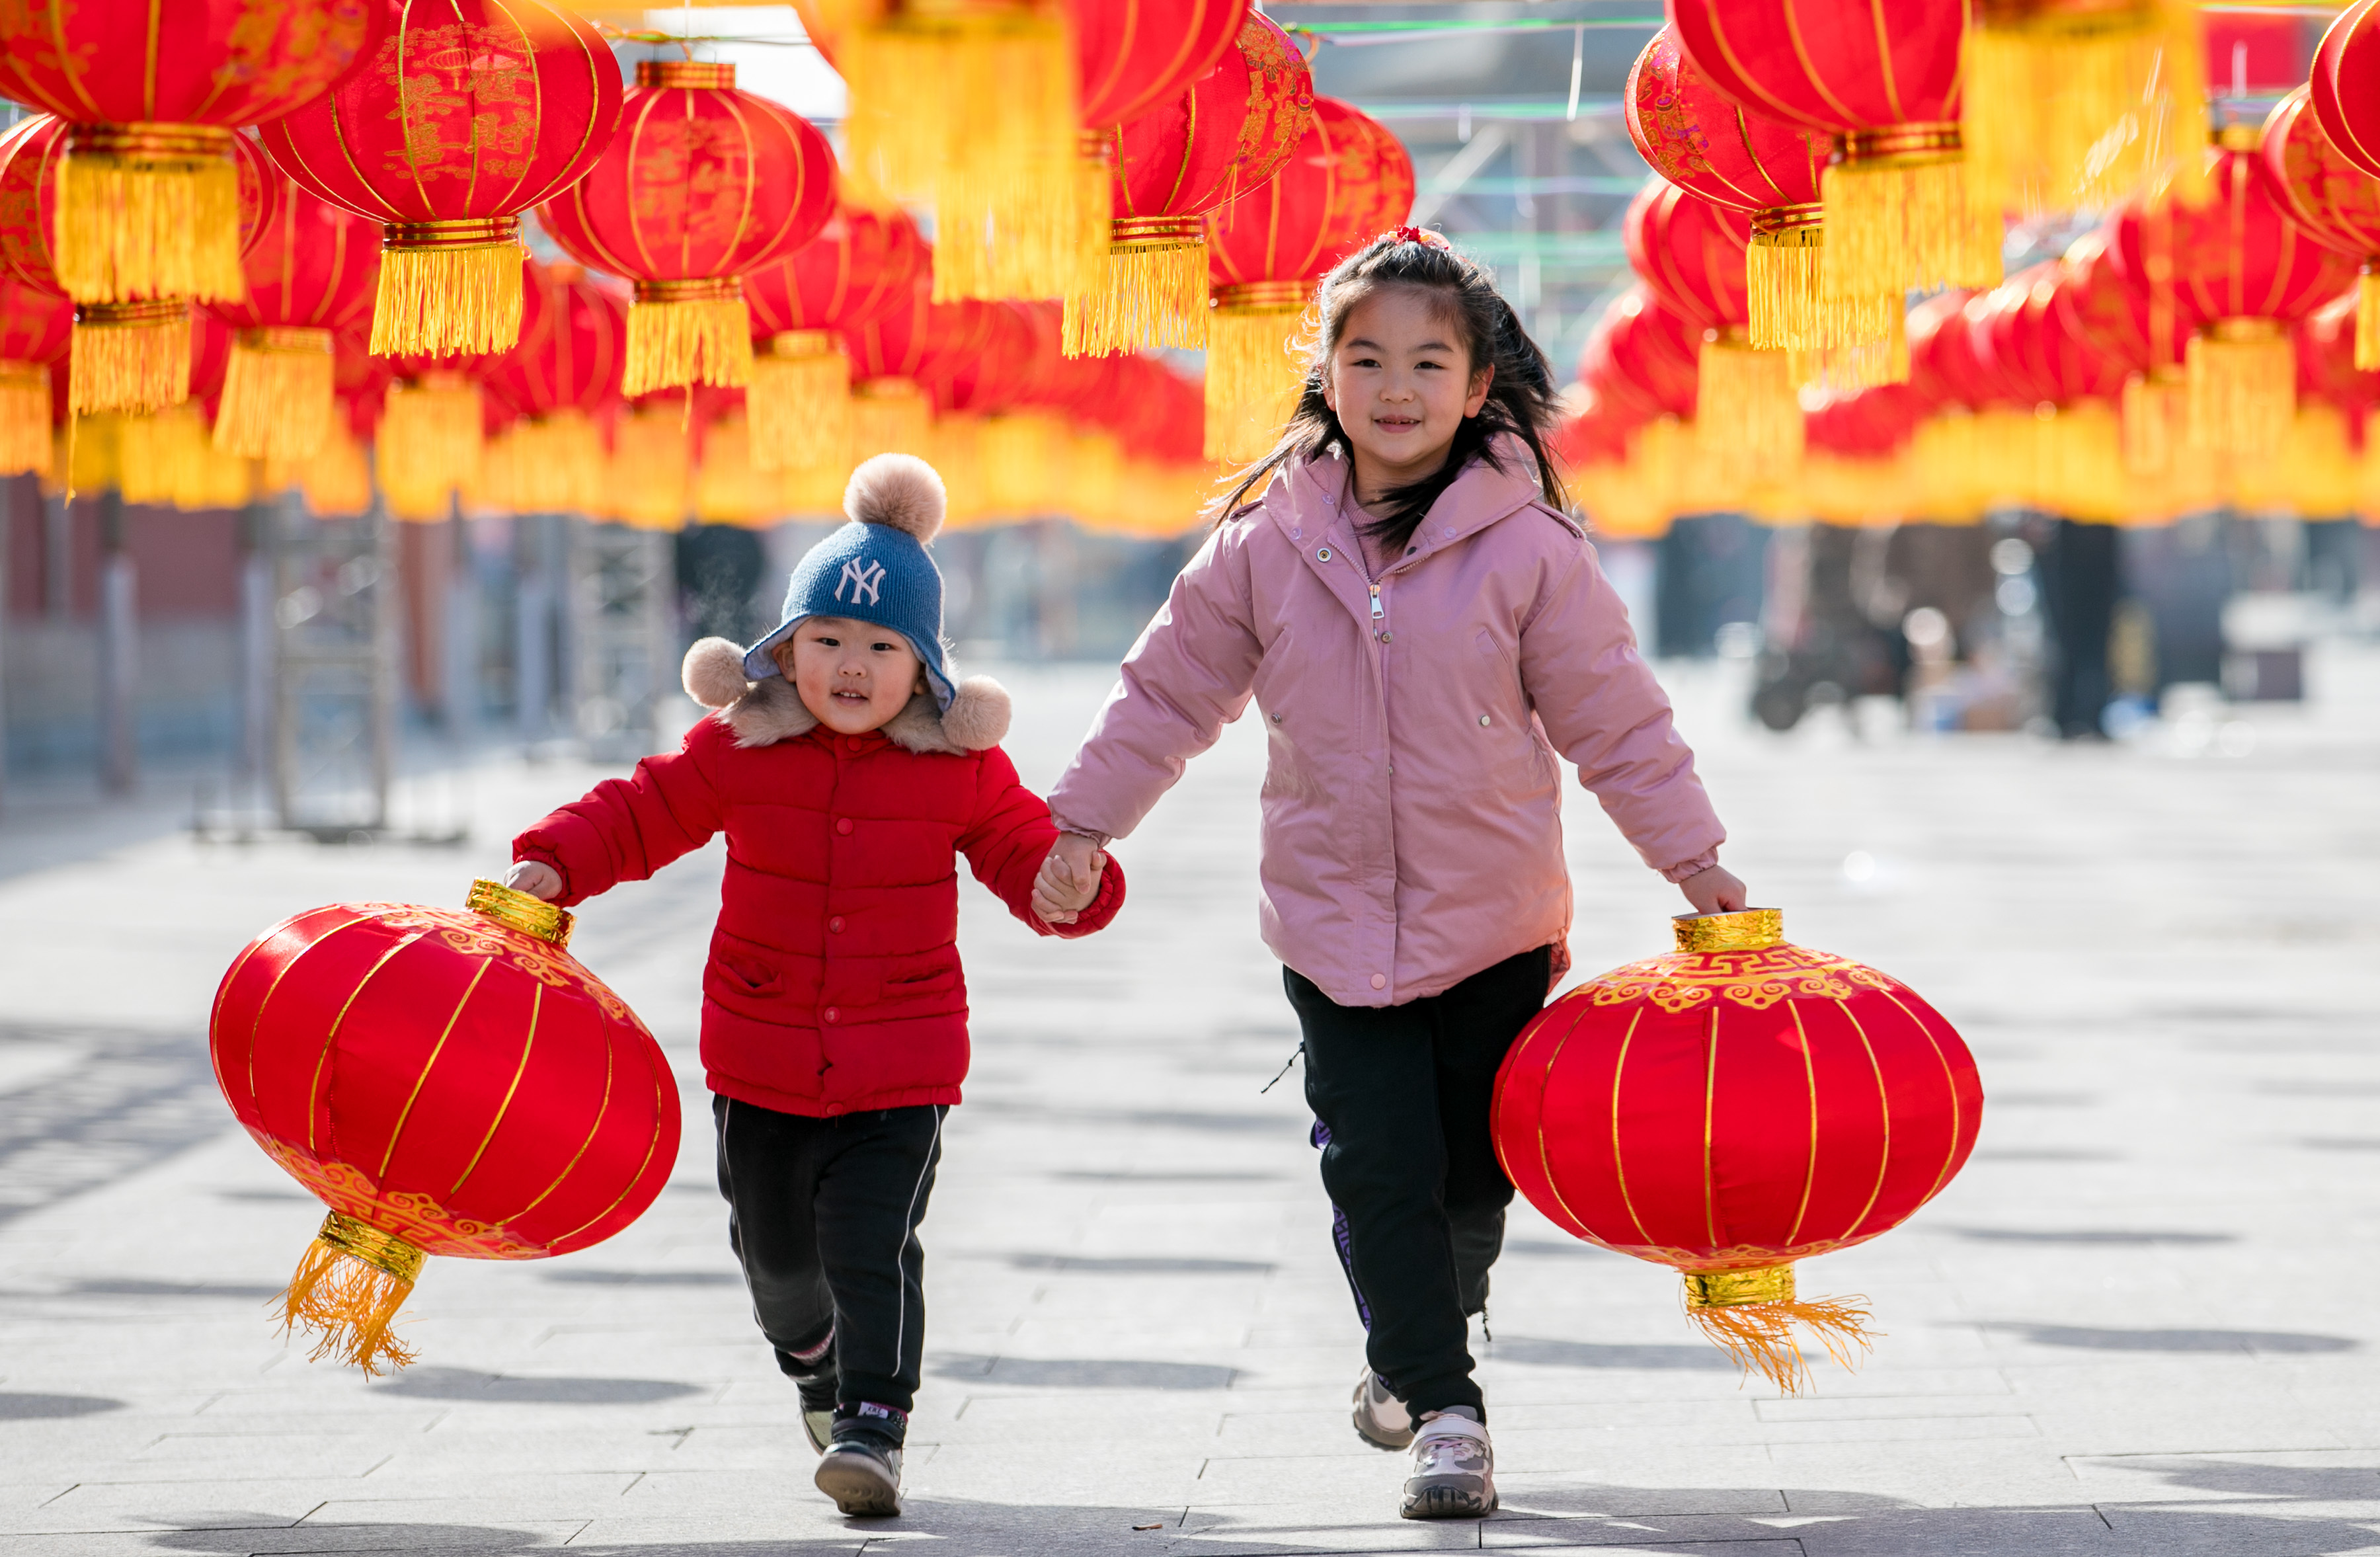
1521, 398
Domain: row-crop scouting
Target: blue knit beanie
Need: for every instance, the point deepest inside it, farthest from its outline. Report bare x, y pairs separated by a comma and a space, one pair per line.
875, 569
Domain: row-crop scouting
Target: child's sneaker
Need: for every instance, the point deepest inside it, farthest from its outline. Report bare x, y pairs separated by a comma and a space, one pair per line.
817, 1413
1454, 1469
1380, 1417
861, 1467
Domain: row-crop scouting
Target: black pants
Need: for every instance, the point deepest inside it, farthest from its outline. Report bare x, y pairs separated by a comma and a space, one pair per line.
1402, 1093
823, 1215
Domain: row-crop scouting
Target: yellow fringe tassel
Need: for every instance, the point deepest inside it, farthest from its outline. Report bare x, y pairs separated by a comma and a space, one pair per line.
1019, 455
650, 470
1150, 291
131, 227
1781, 271
553, 465
958, 456
25, 445
1746, 415
2078, 111
2242, 375
276, 398
1253, 377
1095, 204
335, 481
1898, 225
993, 142
429, 446
728, 490
799, 400
674, 342
2367, 320
1750, 1315
890, 416
348, 1288
129, 356
1846, 370
447, 299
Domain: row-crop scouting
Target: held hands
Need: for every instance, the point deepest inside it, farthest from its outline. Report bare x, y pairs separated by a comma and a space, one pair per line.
1715, 890
1069, 879
543, 881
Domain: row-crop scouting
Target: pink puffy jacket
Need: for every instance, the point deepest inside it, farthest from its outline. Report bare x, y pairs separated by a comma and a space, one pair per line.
1412, 806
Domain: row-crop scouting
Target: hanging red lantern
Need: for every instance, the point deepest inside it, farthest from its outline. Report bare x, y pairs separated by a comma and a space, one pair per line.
861, 265
1885, 82
2343, 85
1348, 181
898, 358
149, 204
562, 380
125, 356
704, 183
469, 113
1647, 1111
312, 268
35, 327
447, 1083
1228, 133
2336, 202
1641, 356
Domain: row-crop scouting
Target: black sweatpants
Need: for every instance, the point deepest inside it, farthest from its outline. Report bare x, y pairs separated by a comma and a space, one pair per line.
1401, 1094
823, 1215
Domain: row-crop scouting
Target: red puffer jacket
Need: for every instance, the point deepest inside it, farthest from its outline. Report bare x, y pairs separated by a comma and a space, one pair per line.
834, 983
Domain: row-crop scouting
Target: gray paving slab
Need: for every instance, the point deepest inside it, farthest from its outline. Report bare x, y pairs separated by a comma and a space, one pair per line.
2137, 1324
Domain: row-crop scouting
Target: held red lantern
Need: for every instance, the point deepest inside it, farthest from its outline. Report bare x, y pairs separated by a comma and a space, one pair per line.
1348, 181
861, 265
447, 1083
1733, 1107
313, 268
469, 113
1228, 133
35, 327
2333, 199
147, 203
703, 183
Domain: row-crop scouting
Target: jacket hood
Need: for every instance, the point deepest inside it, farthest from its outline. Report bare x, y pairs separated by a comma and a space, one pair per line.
764, 713
1312, 494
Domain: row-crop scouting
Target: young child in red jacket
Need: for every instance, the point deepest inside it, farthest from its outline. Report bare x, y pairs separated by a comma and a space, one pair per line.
847, 770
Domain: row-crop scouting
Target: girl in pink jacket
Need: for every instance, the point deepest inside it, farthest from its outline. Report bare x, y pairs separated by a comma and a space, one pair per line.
1424, 629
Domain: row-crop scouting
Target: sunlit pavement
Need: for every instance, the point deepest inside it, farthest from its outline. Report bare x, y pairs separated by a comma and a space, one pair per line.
2142, 1321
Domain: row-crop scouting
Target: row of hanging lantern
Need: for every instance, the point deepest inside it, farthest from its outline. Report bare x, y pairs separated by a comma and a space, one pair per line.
2210, 342
1197, 190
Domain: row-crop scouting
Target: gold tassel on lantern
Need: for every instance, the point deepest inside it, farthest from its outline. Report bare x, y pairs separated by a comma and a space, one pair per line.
1749, 416
2154, 412
1846, 369
685, 333
428, 444
348, 1286
2071, 105
25, 445
2367, 320
958, 458
276, 398
1751, 1315
650, 469
974, 106
799, 400
2242, 375
148, 210
129, 356
890, 416
1151, 290
727, 488
448, 286
1254, 374
1095, 204
1898, 220
1780, 269
334, 482
558, 465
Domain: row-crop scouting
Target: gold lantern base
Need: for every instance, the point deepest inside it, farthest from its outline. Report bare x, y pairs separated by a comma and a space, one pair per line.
348, 1286
1752, 1314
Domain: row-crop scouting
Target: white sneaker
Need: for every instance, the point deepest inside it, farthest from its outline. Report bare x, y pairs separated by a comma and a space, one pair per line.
862, 1474
1380, 1417
1454, 1470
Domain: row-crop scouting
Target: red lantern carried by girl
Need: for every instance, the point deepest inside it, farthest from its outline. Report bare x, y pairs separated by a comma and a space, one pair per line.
469, 113
862, 266
1348, 181
1228, 133
447, 1083
1733, 1107
314, 267
704, 183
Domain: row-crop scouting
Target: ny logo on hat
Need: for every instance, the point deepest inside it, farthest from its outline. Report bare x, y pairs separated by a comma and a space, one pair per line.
862, 576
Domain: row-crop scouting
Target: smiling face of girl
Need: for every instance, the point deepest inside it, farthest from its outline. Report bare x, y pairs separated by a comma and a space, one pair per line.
1401, 381
851, 676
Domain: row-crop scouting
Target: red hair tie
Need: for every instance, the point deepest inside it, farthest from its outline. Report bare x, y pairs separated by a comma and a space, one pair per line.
1420, 235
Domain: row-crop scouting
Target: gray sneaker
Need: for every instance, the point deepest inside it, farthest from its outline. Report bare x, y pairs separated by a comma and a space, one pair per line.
818, 1415
862, 1474
1380, 1417
1454, 1470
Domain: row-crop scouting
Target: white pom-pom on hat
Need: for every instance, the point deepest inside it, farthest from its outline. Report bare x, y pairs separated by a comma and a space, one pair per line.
899, 491
713, 672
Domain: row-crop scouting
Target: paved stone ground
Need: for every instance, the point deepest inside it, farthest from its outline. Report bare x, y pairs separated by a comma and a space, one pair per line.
2141, 1323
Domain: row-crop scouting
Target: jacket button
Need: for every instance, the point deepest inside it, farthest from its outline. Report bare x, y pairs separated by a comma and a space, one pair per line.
853, 743
835, 924
1482, 719
842, 825
832, 1015
1379, 982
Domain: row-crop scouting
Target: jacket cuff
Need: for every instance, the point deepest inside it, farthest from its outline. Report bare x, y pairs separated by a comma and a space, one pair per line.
1093, 834
1694, 866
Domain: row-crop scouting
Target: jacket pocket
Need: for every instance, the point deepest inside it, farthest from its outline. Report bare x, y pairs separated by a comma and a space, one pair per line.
746, 975
922, 978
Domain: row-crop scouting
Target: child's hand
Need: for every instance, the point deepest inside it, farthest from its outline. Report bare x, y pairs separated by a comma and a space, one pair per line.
1715, 890
1069, 879
541, 879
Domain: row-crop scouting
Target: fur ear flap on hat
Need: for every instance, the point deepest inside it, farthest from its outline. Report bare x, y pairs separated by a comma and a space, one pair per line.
899, 491
713, 672
977, 717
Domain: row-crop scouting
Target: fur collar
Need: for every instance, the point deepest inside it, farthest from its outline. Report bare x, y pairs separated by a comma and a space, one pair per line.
764, 713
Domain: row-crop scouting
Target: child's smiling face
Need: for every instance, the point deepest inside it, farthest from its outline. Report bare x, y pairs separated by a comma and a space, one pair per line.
1402, 380
852, 676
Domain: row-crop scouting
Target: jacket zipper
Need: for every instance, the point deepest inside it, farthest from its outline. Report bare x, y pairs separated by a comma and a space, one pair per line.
1377, 612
